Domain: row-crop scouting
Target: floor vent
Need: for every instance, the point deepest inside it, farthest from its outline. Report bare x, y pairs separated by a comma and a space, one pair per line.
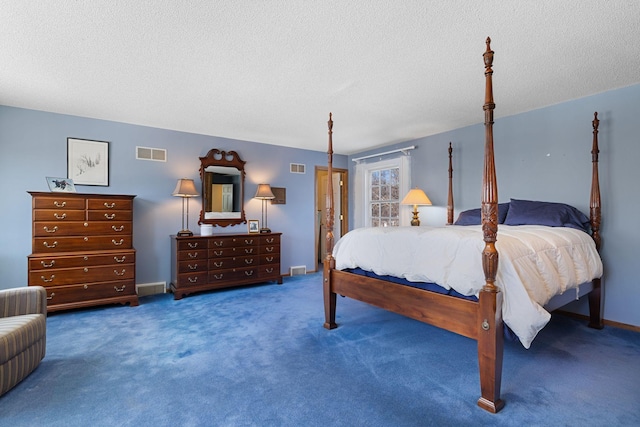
298, 270
144, 289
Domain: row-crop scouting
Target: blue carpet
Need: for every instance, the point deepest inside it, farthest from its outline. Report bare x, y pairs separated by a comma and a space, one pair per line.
259, 356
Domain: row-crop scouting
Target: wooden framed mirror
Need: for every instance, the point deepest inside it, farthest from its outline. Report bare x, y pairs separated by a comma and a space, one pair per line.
222, 176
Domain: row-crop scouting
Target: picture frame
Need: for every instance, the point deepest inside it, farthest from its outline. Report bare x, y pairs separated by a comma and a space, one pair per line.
253, 226
88, 162
280, 194
60, 185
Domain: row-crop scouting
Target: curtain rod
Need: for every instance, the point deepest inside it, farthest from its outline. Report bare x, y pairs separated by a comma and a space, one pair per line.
404, 150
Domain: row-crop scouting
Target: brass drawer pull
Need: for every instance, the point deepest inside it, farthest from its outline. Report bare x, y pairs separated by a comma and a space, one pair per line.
192, 245
86, 270
63, 216
248, 242
269, 258
269, 270
53, 294
269, 248
120, 261
109, 216
192, 279
44, 279
57, 204
116, 229
117, 243
193, 267
270, 240
248, 261
45, 265
53, 230
121, 273
121, 289
109, 205
248, 250
218, 277
219, 243
218, 264
218, 253
53, 245
248, 273
192, 255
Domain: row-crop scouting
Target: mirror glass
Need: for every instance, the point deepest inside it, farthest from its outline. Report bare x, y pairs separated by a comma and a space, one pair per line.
222, 175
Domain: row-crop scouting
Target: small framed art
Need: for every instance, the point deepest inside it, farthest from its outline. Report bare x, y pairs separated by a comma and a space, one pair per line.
61, 185
254, 226
88, 162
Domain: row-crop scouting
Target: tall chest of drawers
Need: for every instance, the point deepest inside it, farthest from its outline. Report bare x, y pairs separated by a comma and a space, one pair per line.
82, 249
202, 263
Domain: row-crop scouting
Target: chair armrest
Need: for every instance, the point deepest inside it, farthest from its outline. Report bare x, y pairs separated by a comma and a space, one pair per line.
27, 300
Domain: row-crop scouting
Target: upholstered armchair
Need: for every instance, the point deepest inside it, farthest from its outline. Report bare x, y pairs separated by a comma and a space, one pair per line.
23, 327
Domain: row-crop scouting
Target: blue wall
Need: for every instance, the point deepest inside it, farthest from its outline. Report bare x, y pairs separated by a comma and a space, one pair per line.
545, 155
33, 145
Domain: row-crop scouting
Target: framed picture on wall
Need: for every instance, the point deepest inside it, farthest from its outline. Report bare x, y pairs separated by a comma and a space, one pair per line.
88, 162
254, 226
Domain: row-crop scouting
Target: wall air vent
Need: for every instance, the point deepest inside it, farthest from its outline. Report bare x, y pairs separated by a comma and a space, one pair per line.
155, 154
296, 168
298, 270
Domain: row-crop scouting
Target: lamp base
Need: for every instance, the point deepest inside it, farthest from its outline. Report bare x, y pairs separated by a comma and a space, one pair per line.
265, 230
185, 233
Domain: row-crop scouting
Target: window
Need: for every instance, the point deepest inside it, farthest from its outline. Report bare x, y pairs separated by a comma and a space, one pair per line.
379, 188
384, 202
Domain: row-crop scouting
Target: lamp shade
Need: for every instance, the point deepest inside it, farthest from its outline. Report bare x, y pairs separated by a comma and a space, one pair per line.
264, 192
185, 188
416, 197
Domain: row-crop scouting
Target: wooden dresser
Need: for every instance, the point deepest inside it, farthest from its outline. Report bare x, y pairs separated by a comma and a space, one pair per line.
82, 249
200, 263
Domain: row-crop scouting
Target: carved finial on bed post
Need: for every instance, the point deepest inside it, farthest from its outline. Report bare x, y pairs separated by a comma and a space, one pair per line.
450, 199
595, 208
329, 202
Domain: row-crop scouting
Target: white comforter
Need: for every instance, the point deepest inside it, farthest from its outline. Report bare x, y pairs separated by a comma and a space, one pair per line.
535, 263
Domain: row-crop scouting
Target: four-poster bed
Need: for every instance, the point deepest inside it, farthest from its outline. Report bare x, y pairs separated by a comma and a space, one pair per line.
481, 317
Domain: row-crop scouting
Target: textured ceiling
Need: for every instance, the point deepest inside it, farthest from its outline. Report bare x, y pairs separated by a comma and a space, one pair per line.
271, 71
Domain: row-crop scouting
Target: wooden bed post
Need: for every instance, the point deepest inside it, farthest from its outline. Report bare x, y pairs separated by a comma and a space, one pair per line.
329, 262
595, 212
450, 198
490, 328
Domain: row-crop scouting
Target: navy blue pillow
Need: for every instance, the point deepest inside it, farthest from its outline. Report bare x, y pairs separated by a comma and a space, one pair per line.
528, 212
474, 216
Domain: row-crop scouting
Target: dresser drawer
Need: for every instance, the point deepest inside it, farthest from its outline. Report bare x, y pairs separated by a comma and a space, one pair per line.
54, 262
58, 202
216, 264
89, 291
192, 244
114, 216
192, 266
270, 250
192, 279
269, 240
79, 228
101, 204
58, 215
68, 276
193, 255
86, 243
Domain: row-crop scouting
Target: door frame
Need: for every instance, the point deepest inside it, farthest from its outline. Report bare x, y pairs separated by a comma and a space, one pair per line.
344, 175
